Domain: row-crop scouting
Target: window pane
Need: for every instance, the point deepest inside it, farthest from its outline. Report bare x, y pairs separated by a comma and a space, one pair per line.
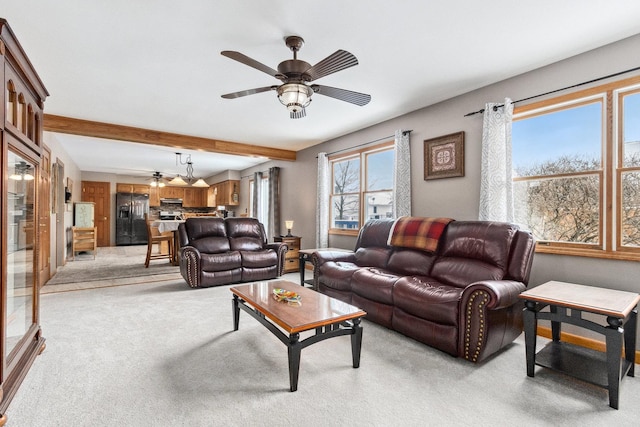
345, 212
560, 209
631, 209
568, 140
631, 130
346, 176
380, 170
378, 205
20, 198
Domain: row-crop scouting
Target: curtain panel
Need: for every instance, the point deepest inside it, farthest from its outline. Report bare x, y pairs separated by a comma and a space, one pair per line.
274, 202
496, 185
402, 175
322, 204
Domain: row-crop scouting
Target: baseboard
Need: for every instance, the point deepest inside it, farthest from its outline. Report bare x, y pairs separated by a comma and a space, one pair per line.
545, 331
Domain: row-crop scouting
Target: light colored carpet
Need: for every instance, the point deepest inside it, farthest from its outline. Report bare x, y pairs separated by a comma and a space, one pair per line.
161, 354
111, 263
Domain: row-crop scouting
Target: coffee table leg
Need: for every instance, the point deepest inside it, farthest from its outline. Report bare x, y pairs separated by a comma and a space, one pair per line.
294, 350
630, 340
356, 343
236, 312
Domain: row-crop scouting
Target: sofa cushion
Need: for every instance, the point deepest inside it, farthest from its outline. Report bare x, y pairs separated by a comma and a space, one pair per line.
426, 298
245, 234
220, 262
372, 257
337, 274
473, 251
259, 258
409, 262
374, 233
211, 245
197, 228
374, 284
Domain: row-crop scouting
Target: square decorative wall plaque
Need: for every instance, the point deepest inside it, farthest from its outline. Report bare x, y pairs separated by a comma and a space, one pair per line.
444, 156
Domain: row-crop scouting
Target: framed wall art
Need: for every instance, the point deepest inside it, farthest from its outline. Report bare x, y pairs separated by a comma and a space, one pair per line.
444, 156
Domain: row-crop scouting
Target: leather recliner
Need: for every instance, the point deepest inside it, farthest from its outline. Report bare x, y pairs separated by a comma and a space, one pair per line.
217, 251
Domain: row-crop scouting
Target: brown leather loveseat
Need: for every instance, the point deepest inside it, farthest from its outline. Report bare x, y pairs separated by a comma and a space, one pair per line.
217, 251
461, 296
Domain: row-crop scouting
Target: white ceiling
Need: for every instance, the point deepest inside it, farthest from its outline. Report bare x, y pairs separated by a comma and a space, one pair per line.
156, 64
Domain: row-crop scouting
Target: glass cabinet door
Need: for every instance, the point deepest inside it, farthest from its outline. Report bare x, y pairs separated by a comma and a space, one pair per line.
20, 277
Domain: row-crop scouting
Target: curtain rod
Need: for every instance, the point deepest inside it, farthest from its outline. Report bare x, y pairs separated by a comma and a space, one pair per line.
404, 132
251, 176
558, 90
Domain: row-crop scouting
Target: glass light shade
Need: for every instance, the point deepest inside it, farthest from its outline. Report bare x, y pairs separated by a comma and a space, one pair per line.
200, 183
177, 181
295, 96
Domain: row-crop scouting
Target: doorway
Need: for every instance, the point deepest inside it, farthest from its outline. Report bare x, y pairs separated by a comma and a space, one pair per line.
99, 194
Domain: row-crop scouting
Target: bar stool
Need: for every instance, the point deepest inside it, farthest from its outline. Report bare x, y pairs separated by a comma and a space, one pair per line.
153, 237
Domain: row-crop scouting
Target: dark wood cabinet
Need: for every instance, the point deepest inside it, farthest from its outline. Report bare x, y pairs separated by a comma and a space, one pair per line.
25, 223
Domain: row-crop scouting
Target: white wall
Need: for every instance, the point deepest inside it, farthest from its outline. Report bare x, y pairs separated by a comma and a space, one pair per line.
71, 170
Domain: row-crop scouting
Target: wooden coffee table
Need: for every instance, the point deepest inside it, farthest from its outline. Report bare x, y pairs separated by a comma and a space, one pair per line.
567, 302
328, 316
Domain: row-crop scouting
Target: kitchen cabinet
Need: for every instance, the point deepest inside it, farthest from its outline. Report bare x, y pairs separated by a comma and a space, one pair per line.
154, 196
172, 192
132, 188
225, 193
194, 197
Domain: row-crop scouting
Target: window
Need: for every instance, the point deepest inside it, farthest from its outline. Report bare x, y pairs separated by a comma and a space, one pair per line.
576, 163
362, 188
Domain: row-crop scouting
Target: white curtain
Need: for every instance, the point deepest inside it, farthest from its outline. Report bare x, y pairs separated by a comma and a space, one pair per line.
496, 185
402, 175
322, 205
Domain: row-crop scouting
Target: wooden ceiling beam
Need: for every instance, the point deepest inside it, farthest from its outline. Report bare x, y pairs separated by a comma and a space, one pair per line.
61, 124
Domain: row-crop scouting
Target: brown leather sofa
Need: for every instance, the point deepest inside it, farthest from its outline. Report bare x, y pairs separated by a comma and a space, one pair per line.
461, 299
217, 251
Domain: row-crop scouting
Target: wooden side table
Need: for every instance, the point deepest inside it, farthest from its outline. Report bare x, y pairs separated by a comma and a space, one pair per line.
291, 257
567, 302
84, 239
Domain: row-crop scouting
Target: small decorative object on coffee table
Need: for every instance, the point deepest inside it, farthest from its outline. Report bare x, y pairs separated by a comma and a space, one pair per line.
567, 302
329, 318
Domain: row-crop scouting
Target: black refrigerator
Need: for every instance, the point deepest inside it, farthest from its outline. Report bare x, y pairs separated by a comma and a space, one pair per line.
131, 226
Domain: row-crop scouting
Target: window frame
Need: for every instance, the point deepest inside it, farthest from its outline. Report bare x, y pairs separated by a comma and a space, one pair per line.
360, 154
612, 95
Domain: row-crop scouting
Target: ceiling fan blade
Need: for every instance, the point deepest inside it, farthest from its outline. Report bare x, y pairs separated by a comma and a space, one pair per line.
337, 61
356, 98
248, 92
244, 59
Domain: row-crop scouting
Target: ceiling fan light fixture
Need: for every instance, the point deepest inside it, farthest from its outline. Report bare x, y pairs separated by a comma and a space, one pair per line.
295, 96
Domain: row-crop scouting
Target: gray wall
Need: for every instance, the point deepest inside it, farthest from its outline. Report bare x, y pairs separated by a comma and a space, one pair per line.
459, 197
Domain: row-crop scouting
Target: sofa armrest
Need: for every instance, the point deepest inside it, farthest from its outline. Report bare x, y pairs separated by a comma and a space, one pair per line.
490, 317
190, 265
320, 257
280, 249
502, 293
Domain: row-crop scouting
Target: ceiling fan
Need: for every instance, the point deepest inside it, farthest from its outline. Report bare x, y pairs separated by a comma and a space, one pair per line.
295, 91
